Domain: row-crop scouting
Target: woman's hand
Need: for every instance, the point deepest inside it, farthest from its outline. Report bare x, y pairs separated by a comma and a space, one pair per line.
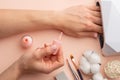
75, 21
80, 21
43, 60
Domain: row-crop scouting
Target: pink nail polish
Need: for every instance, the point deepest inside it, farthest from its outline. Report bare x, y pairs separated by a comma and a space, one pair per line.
27, 41
95, 35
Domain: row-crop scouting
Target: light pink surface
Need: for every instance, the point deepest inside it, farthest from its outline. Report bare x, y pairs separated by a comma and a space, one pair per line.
11, 50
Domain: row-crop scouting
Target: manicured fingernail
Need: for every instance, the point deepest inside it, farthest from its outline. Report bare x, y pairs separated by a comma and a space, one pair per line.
95, 35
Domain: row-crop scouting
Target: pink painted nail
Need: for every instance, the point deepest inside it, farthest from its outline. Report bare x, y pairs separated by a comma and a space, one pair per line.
95, 35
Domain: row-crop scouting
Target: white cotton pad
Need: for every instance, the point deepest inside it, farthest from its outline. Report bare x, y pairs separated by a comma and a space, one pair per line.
94, 58
26, 41
105, 79
95, 68
84, 65
98, 76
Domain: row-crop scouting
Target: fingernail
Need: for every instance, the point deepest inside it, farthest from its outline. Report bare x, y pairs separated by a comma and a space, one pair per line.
95, 35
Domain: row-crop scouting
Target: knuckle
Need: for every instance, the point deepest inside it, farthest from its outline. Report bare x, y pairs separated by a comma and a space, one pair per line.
88, 26
62, 64
88, 16
47, 71
48, 50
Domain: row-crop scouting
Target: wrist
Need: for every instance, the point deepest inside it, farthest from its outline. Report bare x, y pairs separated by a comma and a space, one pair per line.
19, 69
53, 20
44, 19
58, 20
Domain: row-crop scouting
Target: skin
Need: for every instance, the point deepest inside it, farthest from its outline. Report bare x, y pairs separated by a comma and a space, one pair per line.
75, 21
42, 60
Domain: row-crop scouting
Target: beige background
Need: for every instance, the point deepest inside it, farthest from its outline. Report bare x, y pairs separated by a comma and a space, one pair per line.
11, 50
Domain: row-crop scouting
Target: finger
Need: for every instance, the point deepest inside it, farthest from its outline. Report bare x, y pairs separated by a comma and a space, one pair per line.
88, 34
46, 45
94, 8
46, 58
59, 60
95, 13
53, 58
42, 52
96, 20
60, 56
55, 62
95, 28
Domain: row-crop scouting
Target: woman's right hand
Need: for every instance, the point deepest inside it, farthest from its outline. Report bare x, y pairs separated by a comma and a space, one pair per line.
43, 60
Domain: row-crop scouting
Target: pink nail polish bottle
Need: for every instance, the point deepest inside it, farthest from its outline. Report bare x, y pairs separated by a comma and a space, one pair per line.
26, 41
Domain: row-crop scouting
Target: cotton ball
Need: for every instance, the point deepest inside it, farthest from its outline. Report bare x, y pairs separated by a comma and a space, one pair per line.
26, 41
95, 68
85, 65
94, 58
83, 59
87, 53
105, 79
98, 76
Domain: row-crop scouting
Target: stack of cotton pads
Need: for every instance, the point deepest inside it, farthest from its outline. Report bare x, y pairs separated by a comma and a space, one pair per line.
112, 69
90, 64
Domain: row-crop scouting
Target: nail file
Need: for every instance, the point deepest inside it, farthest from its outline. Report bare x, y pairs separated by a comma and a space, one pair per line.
61, 76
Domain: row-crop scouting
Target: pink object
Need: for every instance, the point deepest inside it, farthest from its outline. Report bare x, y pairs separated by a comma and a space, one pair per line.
26, 41
9, 49
56, 43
